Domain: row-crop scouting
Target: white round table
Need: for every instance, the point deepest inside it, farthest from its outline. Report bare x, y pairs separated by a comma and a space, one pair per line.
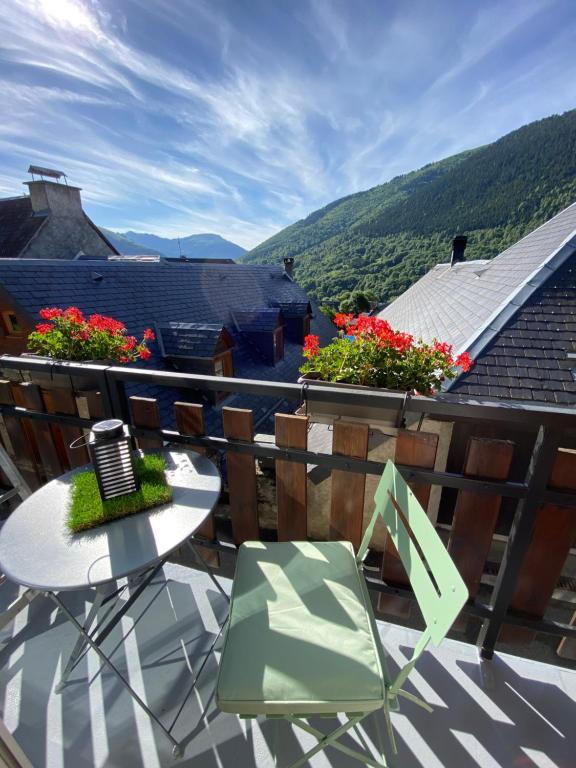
38, 550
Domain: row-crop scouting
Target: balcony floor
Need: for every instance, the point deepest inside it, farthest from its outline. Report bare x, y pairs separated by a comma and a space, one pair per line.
510, 712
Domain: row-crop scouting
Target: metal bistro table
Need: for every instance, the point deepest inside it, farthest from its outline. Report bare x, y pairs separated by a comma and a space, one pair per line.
37, 550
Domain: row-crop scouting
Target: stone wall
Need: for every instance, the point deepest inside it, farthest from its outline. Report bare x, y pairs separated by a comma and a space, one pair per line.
62, 237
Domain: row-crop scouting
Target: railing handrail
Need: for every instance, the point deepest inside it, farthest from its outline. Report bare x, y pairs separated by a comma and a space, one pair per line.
518, 413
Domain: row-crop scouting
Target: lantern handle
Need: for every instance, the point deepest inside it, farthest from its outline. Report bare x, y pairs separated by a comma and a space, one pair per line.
77, 443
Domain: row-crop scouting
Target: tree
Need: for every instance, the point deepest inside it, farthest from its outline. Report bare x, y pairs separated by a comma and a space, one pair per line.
358, 301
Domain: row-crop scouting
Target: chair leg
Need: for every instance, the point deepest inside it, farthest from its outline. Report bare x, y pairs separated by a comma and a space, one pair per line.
389, 727
331, 740
415, 700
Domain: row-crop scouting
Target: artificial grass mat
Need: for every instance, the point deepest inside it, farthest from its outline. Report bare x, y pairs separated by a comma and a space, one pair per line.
87, 509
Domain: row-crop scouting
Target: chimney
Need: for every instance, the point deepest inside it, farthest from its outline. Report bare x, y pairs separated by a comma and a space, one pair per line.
289, 266
458, 248
53, 197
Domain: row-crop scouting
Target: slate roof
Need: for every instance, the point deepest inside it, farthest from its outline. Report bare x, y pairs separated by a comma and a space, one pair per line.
257, 320
292, 308
455, 304
528, 359
143, 294
189, 339
17, 226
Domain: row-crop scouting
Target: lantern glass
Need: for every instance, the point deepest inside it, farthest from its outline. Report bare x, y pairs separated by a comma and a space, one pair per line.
111, 454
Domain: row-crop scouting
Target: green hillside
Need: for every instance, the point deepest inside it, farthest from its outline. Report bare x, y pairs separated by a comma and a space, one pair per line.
387, 237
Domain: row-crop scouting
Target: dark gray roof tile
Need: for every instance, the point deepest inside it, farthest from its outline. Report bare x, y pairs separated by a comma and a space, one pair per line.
18, 226
534, 364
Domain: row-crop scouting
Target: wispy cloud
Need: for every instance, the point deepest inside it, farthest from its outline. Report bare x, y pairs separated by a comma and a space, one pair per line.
180, 116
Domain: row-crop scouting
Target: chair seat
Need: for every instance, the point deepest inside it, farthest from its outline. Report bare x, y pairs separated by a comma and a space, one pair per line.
302, 637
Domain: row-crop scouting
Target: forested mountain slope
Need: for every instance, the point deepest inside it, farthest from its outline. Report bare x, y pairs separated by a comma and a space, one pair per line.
387, 237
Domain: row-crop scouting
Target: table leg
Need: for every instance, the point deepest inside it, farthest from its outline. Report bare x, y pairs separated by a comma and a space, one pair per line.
199, 559
87, 639
81, 643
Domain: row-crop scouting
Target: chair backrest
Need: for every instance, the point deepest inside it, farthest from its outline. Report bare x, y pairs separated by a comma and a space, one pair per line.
436, 582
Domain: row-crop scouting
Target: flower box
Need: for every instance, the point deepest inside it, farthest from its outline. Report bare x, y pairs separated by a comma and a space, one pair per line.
48, 379
327, 412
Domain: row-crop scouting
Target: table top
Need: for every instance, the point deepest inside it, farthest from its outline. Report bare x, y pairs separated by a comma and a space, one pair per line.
38, 550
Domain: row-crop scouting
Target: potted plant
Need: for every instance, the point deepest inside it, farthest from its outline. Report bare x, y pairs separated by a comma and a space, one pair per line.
67, 335
368, 352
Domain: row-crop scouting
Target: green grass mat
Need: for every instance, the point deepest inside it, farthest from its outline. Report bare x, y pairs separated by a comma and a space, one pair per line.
87, 509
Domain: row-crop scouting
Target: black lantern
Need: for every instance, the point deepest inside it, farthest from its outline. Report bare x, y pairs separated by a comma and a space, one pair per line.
111, 453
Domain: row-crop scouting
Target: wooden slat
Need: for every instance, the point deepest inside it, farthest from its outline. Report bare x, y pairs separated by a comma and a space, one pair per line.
347, 503
413, 449
62, 401
475, 516
19, 449
39, 433
145, 414
291, 432
567, 646
553, 535
241, 470
90, 405
190, 421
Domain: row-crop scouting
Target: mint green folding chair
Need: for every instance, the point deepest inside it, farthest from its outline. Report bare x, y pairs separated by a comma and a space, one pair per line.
302, 639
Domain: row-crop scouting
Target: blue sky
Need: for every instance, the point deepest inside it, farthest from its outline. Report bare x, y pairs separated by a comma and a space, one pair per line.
240, 117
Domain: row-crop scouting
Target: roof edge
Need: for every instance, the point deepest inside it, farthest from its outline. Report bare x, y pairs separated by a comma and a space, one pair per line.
35, 234
506, 311
100, 233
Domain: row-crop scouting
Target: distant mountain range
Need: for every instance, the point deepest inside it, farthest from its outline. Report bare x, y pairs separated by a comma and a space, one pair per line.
199, 246
384, 239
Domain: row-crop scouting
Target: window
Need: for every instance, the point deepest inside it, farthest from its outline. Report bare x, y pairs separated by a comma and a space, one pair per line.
218, 367
11, 322
278, 345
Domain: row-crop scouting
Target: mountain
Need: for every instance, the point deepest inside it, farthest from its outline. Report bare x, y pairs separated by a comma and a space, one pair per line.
125, 246
202, 246
387, 237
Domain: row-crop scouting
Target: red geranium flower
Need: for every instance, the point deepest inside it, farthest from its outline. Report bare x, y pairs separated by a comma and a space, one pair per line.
368, 351
311, 345
341, 319
74, 314
69, 336
49, 313
464, 362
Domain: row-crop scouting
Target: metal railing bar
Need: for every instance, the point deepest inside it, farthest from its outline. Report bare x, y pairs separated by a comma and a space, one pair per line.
527, 415
508, 489
484, 611
541, 463
55, 418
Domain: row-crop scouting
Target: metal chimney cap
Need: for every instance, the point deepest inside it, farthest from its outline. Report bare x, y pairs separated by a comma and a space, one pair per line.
105, 430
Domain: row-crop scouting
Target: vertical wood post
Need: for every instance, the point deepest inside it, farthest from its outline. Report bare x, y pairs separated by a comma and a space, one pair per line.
476, 515
413, 449
190, 421
554, 532
22, 455
241, 470
145, 414
62, 401
291, 432
347, 504
28, 396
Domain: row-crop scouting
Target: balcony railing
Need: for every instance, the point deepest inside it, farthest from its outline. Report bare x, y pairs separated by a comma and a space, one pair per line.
38, 423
